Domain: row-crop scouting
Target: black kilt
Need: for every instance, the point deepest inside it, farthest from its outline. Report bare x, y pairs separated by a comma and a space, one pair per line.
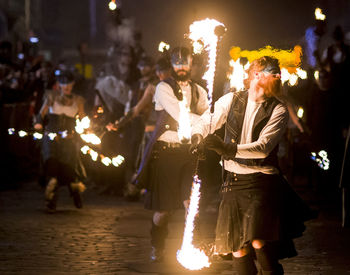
171, 169
259, 206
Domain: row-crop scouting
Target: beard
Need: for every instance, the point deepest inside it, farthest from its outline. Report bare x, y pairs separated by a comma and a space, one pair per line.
183, 76
272, 86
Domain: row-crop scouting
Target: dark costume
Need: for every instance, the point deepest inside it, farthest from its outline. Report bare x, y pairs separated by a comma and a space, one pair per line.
257, 203
60, 151
167, 168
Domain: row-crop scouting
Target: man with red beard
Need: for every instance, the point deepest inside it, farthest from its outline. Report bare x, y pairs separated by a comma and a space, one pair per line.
251, 221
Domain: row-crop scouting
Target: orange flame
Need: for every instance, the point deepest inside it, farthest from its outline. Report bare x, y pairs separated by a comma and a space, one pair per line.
188, 256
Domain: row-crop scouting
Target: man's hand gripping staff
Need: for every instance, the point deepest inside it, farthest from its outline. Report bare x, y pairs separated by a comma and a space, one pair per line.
212, 142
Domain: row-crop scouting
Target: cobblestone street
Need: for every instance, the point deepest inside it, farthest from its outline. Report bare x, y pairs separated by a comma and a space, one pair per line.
111, 236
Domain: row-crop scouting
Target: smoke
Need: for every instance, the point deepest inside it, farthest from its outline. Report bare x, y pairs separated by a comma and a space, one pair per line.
123, 34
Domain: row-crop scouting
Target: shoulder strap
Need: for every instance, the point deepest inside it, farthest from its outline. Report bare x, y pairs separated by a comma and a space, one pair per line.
175, 86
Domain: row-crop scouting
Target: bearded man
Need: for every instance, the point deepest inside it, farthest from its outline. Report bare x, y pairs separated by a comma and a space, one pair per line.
167, 160
251, 221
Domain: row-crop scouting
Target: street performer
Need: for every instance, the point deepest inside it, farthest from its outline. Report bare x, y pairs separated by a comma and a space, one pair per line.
167, 165
252, 219
60, 153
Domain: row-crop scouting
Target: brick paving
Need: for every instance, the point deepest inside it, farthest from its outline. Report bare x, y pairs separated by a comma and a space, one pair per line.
111, 236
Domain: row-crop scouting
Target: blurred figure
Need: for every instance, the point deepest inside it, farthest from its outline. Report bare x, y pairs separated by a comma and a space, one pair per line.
56, 118
166, 169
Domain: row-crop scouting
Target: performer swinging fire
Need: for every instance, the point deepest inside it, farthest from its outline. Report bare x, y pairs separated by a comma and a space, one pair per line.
251, 221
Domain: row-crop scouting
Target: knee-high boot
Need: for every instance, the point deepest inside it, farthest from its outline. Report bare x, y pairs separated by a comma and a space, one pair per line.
158, 236
245, 265
268, 260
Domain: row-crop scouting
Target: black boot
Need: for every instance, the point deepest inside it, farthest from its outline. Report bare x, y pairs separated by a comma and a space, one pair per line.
268, 260
245, 265
51, 195
158, 236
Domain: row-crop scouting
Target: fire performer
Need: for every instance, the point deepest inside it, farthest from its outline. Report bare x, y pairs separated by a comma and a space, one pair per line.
251, 221
59, 146
166, 161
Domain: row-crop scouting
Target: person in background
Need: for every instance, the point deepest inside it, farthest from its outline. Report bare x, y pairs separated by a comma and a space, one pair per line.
59, 145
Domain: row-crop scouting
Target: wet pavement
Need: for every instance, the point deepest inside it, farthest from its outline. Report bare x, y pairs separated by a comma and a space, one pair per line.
110, 235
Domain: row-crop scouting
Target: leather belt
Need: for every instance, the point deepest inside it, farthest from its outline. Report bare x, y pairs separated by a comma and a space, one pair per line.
168, 145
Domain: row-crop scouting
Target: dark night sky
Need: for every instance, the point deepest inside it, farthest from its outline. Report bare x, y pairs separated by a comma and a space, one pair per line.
251, 24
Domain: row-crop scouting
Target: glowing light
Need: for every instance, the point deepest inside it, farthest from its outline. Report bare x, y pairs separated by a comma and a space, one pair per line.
85, 149
100, 110
198, 47
300, 112
34, 40
204, 31
319, 15
118, 160
81, 125
301, 73
11, 131
106, 160
238, 74
91, 138
22, 133
287, 58
293, 80
188, 256
37, 135
63, 134
52, 136
317, 75
93, 154
184, 130
112, 5
321, 159
163, 46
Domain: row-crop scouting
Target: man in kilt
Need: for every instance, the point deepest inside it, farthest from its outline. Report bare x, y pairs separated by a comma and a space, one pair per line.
255, 220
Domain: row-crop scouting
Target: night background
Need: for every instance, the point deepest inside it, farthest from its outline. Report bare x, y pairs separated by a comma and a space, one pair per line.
105, 53
63, 24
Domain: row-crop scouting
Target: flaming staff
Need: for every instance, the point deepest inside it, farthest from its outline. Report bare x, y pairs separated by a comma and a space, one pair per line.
206, 33
81, 127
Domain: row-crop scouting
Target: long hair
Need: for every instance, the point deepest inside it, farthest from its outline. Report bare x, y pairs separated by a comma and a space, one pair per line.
271, 83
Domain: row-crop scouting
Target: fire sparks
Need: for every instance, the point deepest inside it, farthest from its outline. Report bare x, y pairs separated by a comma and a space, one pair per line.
91, 138
184, 130
238, 74
287, 58
112, 5
163, 47
300, 112
115, 161
188, 256
22, 133
319, 15
37, 135
290, 61
81, 125
203, 32
321, 159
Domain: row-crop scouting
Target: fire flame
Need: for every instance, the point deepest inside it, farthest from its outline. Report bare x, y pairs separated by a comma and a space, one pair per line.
81, 125
188, 256
321, 159
289, 60
184, 130
91, 138
163, 46
319, 15
204, 31
238, 74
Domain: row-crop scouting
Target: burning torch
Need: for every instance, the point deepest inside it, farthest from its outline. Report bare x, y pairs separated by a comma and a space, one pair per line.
209, 33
